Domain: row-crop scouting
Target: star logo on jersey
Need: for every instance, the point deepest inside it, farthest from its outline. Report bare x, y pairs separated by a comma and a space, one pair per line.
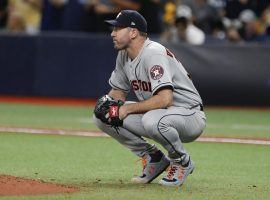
156, 72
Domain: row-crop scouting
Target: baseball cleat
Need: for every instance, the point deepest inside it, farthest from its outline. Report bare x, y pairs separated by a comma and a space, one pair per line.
177, 174
153, 166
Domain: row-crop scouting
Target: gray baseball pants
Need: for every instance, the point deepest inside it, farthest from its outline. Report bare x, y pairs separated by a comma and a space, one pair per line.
169, 127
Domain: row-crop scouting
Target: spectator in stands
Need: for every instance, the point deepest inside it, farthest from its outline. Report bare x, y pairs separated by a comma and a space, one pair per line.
249, 30
232, 34
16, 23
3, 13
169, 13
218, 30
205, 15
24, 13
184, 30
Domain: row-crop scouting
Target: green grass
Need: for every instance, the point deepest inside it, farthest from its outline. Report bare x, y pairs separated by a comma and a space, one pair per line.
37, 116
101, 168
224, 171
220, 122
238, 123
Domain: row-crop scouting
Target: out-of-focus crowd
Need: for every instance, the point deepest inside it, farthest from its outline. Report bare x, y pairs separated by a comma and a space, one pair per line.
198, 21
32, 16
190, 21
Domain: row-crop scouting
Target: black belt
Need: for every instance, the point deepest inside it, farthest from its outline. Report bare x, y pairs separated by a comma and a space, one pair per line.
201, 106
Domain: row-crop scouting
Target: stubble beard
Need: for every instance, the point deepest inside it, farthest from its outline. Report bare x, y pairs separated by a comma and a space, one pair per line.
122, 46
119, 48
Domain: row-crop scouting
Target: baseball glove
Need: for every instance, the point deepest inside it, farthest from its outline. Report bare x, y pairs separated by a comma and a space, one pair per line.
107, 110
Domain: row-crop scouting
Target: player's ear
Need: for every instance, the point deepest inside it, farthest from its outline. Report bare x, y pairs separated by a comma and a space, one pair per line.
133, 33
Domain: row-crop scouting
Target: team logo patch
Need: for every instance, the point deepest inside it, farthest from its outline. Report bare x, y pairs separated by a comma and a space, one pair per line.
156, 72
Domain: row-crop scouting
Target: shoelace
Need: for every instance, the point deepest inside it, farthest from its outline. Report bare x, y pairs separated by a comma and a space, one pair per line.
172, 171
143, 161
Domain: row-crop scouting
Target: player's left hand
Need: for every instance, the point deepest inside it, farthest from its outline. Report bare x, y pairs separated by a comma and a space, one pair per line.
123, 112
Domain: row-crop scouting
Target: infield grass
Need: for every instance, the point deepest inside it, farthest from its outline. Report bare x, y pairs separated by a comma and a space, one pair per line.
102, 169
247, 123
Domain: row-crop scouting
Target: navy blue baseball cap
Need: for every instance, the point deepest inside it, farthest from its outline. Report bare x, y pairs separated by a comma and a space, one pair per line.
129, 18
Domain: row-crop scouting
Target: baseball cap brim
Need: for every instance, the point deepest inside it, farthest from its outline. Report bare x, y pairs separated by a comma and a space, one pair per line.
114, 23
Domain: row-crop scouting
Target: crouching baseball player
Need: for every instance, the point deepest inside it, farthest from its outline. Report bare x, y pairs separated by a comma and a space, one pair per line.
169, 110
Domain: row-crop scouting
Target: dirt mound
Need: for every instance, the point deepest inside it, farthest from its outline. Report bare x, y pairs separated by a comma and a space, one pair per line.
10, 185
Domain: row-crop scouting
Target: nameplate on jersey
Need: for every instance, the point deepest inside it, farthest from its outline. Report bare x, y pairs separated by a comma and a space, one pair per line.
141, 85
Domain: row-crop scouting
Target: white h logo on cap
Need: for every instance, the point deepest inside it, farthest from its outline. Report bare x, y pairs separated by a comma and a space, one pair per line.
118, 15
132, 23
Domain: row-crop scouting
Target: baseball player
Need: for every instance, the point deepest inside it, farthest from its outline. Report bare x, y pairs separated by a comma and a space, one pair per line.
169, 110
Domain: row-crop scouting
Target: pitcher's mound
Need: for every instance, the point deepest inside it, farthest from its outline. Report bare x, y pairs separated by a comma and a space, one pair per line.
10, 185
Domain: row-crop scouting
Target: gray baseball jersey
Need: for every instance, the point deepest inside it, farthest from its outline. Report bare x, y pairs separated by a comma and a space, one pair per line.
154, 68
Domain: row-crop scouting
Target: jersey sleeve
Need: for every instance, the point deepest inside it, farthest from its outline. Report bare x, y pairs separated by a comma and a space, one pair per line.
118, 79
159, 72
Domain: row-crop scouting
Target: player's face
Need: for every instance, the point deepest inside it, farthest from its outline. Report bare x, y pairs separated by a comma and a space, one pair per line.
121, 37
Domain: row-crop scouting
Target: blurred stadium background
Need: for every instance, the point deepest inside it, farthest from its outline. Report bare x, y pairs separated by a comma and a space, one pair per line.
61, 48
60, 52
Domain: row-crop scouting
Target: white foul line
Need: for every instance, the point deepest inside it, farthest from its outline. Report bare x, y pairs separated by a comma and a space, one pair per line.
233, 140
101, 134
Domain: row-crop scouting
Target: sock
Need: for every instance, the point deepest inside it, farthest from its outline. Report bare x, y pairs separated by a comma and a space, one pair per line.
156, 157
187, 163
183, 161
152, 150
